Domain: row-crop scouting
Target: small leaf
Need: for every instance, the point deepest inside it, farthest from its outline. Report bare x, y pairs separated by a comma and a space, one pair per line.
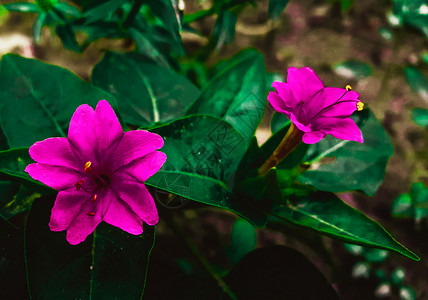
402, 206
397, 276
224, 28
328, 215
375, 255
147, 93
22, 7
38, 26
420, 117
244, 239
407, 293
353, 69
276, 7
417, 82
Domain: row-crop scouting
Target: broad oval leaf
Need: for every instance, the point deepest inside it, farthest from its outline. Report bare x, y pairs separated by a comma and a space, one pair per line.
356, 166
237, 94
146, 92
203, 154
328, 215
243, 238
276, 8
110, 264
37, 100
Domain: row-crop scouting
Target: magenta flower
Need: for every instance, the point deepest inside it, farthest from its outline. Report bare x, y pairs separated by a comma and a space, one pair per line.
99, 172
314, 109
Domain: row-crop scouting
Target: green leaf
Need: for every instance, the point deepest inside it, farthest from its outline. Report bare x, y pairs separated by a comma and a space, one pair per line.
413, 13
278, 121
353, 69
110, 265
68, 9
103, 10
38, 26
244, 239
37, 100
147, 93
224, 28
375, 255
22, 7
237, 94
13, 163
203, 154
402, 206
328, 215
68, 38
398, 276
276, 7
417, 82
420, 117
407, 293
350, 165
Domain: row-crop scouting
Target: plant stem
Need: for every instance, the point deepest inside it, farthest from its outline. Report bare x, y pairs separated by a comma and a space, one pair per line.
199, 255
131, 16
291, 140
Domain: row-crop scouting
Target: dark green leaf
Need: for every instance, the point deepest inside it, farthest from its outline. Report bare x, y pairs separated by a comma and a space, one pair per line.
68, 9
398, 276
420, 117
13, 163
355, 166
111, 265
224, 28
244, 239
167, 12
278, 121
38, 100
147, 93
353, 69
68, 38
22, 7
236, 95
38, 26
375, 255
407, 293
103, 11
417, 82
203, 154
329, 215
276, 7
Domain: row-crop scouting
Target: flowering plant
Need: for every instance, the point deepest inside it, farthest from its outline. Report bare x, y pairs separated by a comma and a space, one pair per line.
227, 163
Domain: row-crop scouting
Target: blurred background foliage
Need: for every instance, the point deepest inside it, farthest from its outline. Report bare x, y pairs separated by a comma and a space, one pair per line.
378, 47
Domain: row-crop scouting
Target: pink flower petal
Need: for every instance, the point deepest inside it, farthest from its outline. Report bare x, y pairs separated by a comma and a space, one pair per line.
86, 220
312, 137
299, 125
67, 205
135, 144
82, 134
57, 177
287, 98
55, 151
120, 214
278, 103
303, 83
335, 101
136, 195
142, 168
108, 127
341, 128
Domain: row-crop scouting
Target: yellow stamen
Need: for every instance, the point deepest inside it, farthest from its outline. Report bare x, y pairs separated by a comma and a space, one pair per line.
88, 167
348, 88
94, 197
360, 106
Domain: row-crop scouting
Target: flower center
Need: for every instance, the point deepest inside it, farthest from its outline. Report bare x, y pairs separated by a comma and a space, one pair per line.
102, 180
